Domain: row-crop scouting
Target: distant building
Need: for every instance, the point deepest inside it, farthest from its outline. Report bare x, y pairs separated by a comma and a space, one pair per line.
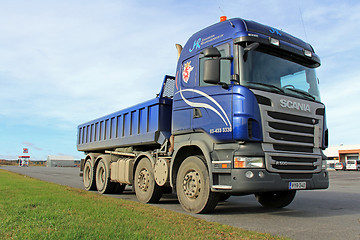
61, 161
341, 153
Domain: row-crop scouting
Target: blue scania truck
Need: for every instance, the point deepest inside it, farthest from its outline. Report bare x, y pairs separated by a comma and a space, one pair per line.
242, 115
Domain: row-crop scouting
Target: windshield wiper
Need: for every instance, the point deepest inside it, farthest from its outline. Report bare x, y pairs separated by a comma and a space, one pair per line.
268, 85
302, 92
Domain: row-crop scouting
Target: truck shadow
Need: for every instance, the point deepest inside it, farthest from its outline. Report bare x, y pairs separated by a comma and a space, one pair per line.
305, 205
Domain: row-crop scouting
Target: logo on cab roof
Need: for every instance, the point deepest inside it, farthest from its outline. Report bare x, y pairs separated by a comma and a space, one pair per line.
196, 45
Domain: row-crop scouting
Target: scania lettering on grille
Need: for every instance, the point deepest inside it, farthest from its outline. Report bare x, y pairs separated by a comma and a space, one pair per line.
281, 163
294, 105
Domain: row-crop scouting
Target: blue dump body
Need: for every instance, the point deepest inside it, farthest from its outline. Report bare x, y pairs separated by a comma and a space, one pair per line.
147, 123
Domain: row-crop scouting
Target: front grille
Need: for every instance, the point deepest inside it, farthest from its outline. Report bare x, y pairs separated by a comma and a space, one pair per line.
294, 159
291, 137
292, 118
293, 162
292, 148
290, 129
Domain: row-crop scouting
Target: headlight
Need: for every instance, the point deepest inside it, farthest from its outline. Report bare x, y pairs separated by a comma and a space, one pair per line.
248, 162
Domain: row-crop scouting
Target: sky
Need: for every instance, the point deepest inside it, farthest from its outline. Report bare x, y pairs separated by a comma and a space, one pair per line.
63, 63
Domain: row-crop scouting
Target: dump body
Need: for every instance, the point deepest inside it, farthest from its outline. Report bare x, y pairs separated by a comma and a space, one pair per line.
147, 123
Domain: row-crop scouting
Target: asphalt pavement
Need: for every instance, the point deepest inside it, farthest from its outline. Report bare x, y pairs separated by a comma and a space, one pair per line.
318, 214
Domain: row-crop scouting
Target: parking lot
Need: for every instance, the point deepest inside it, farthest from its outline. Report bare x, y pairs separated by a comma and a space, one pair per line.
320, 214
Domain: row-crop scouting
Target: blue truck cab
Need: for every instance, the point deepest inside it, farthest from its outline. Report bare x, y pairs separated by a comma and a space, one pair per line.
242, 115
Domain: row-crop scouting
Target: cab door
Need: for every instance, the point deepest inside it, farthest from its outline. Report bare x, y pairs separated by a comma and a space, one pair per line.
212, 104
184, 83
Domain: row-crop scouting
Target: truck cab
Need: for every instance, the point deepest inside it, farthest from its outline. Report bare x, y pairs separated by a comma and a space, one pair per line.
248, 95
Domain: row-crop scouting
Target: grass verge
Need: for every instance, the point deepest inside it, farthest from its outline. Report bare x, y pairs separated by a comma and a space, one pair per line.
33, 209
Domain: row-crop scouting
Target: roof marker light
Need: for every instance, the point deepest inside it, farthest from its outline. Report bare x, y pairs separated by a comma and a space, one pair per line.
307, 53
274, 41
223, 18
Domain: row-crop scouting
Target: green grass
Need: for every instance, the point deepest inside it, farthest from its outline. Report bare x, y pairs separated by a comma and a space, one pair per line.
33, 209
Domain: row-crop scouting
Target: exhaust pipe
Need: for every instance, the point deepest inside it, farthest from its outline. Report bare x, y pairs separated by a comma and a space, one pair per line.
179, 49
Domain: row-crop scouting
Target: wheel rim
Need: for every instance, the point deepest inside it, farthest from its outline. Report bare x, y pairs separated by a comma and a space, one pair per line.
143, 180
101, 174
192, 184
87, 177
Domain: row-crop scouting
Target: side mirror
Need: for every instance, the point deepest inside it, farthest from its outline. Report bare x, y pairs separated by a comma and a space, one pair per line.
249, 48
212, 71
211, 52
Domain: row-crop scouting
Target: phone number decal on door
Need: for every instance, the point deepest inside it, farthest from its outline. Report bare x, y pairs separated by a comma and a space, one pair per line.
220, 130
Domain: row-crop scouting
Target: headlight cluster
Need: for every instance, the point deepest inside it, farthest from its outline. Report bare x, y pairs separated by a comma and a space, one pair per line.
249, 162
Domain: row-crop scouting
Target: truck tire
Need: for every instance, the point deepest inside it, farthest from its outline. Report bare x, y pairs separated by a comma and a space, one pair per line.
275, 199
193, 186
89, 176
146, 189
103, 183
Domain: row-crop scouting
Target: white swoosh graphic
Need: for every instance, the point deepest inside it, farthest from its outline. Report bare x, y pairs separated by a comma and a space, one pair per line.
204, 105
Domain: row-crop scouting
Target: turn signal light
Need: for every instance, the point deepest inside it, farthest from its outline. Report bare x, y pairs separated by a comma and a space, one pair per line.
248, 162
224, 165
239, 163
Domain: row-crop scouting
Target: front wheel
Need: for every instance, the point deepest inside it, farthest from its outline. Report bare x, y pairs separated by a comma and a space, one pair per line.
193, 186
275, 199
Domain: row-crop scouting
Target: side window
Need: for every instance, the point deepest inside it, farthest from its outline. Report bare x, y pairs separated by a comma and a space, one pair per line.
188, 72
225, 66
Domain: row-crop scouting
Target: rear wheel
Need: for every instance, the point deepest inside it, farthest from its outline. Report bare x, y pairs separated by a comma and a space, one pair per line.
193, 186
146, 189
103, 183
275, 199
89, 176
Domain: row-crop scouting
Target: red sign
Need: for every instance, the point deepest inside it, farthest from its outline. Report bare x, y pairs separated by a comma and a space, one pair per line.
25, 150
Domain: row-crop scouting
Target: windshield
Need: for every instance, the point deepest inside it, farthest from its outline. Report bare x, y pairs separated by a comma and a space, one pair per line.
270, 73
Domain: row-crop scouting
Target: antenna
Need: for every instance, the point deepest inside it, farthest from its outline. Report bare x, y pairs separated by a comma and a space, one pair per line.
223, 13
302, 21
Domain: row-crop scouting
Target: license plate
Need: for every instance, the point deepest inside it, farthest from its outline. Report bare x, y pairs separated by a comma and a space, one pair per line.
297, 185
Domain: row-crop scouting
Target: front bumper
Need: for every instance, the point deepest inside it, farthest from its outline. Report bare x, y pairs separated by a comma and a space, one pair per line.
237, 183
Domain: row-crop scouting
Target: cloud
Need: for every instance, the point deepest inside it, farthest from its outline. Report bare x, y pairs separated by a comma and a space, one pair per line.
86, 60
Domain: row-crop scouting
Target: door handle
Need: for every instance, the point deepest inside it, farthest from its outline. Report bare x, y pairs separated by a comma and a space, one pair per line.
197, 113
